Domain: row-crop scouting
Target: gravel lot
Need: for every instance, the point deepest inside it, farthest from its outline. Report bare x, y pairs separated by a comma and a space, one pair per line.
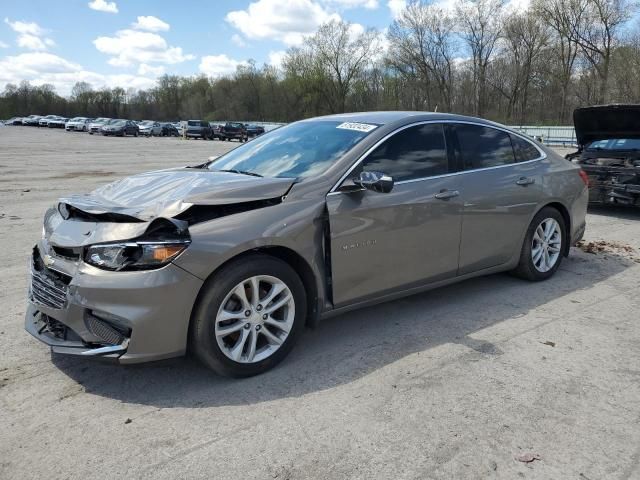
454, 383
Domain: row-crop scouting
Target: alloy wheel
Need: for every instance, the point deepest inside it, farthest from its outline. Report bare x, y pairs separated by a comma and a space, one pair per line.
255, 319
546, 245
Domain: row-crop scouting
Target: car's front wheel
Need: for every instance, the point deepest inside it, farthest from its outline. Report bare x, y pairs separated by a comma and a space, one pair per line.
248, 316
543, 246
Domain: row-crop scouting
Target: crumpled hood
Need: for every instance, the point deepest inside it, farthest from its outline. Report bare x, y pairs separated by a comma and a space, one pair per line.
603, 122
167, 193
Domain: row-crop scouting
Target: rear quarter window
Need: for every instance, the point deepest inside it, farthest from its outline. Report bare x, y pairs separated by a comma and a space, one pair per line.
524, 149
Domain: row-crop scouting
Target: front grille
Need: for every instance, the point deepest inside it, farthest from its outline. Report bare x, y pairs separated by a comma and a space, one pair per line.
48, 288
104, 331
47, 292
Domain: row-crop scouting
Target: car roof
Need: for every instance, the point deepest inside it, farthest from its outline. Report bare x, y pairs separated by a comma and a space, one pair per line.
383, 118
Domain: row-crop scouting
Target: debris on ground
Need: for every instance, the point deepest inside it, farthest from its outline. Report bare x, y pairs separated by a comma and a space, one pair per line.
128, 420
527, 457
600, 246
549, 343
608, 246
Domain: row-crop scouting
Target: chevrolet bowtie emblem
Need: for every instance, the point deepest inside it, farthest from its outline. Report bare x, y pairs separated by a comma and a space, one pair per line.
48, 260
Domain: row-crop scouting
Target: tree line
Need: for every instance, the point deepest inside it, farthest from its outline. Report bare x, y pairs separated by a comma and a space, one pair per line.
480, 58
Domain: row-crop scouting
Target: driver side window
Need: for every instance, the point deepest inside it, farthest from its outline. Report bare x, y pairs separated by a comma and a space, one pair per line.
413, 153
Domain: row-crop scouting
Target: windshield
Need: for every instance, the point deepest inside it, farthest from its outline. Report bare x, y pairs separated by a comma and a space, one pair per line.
194, 123
147, 123
615, 144
301, 149
116, 121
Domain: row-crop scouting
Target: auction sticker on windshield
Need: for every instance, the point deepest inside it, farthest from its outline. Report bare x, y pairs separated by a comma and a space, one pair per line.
360, 127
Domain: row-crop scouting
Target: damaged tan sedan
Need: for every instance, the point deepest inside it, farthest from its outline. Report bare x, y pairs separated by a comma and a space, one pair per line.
232, 258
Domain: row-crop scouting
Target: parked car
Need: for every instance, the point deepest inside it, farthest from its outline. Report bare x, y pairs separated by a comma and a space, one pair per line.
179, 126
150, 128
77, 124
58, 122
97, 124
608, 139
169, 130
215, 130
198, 129
233, 131
31, 120
44, 121
14, 121
233, 257
120, 127
253, 130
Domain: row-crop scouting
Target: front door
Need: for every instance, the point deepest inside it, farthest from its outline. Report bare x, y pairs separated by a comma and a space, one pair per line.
381, 242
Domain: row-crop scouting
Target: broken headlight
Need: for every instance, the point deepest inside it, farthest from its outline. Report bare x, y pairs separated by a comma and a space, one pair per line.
134, 255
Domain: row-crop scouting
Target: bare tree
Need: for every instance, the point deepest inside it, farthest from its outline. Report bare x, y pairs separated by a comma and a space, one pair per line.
526, 37
594, 25
564, 47
422, 39
341, 52
480, 23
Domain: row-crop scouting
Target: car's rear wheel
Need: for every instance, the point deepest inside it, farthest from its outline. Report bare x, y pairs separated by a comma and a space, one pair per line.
248, 316
543, 246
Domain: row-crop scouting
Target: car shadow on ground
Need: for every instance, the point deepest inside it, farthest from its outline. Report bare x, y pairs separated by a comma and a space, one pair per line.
348, 347
624, 213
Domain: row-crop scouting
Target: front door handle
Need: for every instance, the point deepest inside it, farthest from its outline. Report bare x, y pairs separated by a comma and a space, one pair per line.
524, 181
446, 194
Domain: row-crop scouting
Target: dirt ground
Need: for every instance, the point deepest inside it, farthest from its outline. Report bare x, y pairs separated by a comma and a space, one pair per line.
468, 381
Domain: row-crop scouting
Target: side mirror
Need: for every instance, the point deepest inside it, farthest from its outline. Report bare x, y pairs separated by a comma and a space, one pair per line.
375, 181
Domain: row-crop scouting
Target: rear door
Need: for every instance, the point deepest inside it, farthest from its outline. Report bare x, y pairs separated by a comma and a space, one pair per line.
381, 242
501, 182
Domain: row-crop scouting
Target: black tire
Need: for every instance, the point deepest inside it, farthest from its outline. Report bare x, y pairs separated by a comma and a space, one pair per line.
526, 268
202, 338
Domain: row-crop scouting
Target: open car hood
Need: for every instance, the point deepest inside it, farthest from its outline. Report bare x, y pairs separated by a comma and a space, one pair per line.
167, 193
604, 122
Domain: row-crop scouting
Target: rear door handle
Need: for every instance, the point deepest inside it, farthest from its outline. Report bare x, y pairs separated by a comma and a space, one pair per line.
524, 181
446, 194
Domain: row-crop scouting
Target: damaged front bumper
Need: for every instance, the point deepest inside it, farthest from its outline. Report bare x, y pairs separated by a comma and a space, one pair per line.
613, 185
130, 317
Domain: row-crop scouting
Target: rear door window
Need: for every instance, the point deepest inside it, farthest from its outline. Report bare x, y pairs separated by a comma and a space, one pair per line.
483, 147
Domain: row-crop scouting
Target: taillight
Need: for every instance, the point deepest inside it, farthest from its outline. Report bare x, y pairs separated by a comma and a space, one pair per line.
584, 177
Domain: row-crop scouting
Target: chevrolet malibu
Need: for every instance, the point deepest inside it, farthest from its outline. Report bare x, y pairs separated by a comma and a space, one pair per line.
231, 259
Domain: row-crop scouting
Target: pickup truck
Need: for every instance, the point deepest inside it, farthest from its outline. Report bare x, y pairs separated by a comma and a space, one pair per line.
198, 129
233, 131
